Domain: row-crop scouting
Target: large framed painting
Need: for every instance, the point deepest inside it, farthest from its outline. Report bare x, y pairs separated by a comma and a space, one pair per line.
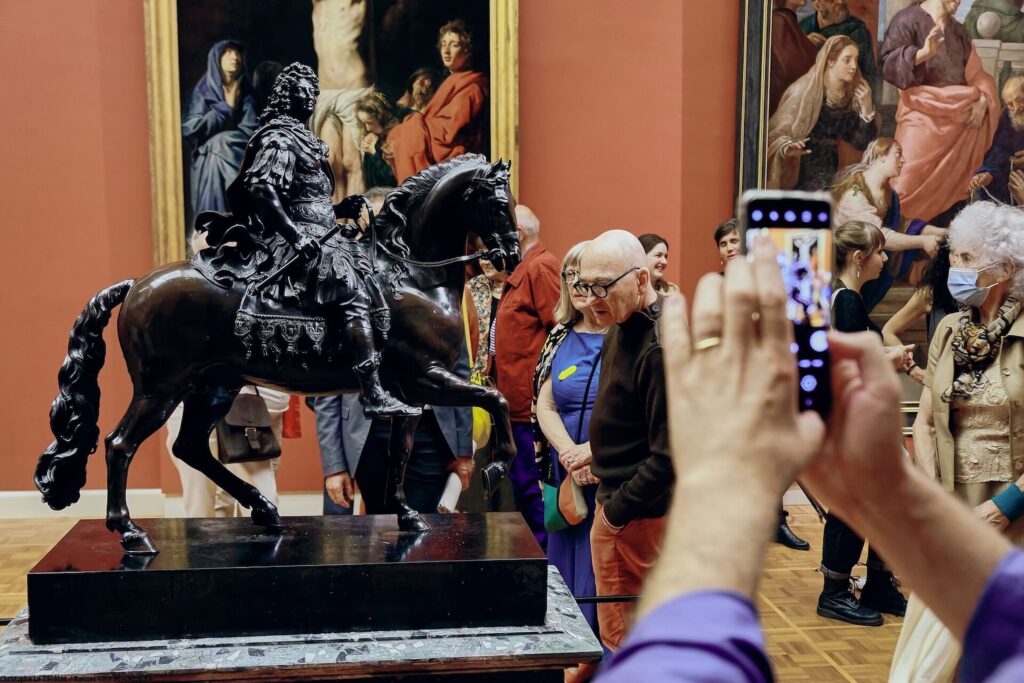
895, 107
392, 73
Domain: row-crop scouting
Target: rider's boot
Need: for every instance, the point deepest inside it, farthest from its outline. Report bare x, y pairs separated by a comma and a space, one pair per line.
377, 402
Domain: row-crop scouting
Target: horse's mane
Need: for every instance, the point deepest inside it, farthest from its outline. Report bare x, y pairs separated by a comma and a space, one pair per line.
403, 201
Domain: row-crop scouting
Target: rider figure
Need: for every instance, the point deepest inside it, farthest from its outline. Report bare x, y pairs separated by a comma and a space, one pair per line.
286, 180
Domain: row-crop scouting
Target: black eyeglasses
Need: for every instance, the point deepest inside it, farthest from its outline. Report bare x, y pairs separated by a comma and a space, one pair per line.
599, 291
570, 276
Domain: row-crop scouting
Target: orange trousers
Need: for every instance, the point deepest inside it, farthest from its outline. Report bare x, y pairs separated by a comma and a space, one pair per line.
621, 561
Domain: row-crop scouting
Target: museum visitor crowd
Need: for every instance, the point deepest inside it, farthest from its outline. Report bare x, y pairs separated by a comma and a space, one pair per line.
596, 357
655, 443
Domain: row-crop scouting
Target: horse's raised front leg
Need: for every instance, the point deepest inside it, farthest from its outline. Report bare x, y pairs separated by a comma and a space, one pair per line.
439, 386
403, 433
202, 411
144, 416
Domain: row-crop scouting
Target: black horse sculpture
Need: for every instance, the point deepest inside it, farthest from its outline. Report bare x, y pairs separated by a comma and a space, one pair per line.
176, 329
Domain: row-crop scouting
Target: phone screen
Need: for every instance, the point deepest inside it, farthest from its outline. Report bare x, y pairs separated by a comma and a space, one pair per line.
801, 231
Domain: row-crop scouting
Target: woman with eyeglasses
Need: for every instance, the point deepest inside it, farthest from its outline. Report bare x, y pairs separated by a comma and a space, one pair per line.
968, 432
564, 387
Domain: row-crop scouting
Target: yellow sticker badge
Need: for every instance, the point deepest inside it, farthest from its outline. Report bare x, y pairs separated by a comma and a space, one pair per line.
567, 373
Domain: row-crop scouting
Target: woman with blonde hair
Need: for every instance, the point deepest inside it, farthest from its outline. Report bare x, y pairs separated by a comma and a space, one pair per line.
564, 388
831, 102
863, 192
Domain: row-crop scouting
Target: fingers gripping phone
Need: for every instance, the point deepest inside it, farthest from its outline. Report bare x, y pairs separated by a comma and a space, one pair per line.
800, 226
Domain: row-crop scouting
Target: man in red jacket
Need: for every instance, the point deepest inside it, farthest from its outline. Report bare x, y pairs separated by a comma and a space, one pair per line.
524, 318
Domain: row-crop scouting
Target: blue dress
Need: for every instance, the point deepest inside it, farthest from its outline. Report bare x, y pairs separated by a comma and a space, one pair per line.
569, 549
217, 134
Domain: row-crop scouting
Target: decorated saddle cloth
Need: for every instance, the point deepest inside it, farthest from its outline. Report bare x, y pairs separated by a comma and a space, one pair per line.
277, 318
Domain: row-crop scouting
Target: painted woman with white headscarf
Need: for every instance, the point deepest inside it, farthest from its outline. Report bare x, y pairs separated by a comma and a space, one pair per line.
829, 103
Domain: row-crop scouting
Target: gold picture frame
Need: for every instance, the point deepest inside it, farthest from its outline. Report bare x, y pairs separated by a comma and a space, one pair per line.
164, 98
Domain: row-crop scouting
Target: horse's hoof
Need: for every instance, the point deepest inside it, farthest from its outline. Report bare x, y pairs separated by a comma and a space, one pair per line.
267, 517
493, 474
412, 522
138, 543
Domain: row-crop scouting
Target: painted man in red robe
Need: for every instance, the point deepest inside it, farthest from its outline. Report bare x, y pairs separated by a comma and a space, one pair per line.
452, 122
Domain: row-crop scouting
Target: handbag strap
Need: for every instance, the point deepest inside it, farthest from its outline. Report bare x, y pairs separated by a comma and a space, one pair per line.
586, 397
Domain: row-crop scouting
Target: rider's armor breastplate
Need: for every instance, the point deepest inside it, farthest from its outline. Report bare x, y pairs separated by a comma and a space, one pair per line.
309, 197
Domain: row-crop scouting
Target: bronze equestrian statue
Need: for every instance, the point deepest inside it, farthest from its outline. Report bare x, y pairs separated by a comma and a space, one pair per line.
287, 298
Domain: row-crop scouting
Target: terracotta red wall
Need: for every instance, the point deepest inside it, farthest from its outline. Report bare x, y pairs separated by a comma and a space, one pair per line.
626, 118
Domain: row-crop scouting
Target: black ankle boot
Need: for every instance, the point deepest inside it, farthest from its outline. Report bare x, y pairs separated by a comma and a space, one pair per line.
844, 606
882, 593
837, 601
785, 536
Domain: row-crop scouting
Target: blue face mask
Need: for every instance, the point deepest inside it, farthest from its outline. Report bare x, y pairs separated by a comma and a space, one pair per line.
963, 285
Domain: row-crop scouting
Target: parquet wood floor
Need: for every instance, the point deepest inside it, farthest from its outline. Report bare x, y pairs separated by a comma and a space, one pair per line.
803, 646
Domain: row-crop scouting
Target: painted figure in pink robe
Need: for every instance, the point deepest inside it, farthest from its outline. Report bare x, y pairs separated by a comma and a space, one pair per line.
948, 109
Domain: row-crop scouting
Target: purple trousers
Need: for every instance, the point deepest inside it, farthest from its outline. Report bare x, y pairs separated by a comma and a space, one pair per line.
526, 482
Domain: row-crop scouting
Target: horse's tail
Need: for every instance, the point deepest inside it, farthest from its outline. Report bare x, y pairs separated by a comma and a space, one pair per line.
74, 414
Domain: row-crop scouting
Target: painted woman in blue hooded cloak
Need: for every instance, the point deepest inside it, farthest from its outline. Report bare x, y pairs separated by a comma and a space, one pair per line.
220, 119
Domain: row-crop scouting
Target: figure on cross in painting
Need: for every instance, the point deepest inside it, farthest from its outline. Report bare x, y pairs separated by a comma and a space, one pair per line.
339, 38
452, 122
948, 106
220, 118
831, 102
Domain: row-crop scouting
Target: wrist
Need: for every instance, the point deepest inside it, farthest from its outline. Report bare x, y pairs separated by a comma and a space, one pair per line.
1010, 502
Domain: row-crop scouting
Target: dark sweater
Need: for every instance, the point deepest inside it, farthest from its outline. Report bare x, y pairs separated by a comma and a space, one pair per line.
629, 423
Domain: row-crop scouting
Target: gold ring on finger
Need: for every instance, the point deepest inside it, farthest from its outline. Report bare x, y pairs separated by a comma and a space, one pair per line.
705, 344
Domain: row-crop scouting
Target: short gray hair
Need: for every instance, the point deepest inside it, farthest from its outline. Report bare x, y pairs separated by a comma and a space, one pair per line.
996, 233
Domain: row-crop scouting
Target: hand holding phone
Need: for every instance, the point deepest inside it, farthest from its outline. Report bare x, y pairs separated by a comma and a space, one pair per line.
800, 226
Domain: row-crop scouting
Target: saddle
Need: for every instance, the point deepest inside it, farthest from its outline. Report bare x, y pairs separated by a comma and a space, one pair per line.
275, 320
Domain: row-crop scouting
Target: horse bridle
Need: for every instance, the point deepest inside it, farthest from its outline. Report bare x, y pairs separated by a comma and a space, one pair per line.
489, 255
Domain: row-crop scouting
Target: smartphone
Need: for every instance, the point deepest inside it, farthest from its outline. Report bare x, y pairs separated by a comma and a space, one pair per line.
800, 226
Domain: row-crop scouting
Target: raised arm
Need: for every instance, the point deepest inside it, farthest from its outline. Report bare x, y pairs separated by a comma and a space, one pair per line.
916, 308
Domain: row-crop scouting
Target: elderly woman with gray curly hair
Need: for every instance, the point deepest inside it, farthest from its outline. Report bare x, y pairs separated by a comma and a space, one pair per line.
969, 431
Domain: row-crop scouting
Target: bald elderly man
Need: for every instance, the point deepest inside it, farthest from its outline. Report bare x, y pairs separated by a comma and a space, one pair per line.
525, 316
628, 426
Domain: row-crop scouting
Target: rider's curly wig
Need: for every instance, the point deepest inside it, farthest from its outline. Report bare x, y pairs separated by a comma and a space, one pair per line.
281, 97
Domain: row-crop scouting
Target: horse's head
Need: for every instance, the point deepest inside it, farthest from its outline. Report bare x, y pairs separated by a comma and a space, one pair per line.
491, 198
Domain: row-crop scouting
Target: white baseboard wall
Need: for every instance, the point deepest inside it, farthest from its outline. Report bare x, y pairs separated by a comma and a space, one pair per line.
141, 502
155, 503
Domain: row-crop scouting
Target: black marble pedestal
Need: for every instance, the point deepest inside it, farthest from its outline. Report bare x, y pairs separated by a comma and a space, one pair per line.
228, 578
516, 654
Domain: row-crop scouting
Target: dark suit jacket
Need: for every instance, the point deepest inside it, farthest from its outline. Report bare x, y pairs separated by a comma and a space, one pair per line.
341, 427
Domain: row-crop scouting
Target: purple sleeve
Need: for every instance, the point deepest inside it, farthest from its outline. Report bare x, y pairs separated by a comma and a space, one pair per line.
898, 52
994, 643
705, 636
